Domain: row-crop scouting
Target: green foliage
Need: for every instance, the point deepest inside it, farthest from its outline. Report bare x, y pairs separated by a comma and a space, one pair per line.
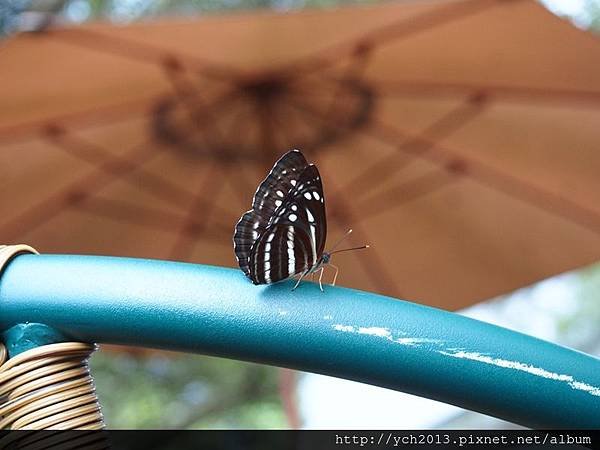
141, 8
581, 327
592, 10
9, 10
166, 390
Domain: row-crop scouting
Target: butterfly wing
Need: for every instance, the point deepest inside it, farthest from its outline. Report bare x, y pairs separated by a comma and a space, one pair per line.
294, 239
308, 197
268, 198
281, 252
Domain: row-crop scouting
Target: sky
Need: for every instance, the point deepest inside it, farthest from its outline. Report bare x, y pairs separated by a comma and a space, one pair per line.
574, 9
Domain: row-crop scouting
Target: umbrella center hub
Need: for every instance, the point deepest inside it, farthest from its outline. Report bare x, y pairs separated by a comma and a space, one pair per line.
260, 116
265, 89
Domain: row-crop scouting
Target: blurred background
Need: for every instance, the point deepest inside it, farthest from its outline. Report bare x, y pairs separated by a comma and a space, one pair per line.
458, 138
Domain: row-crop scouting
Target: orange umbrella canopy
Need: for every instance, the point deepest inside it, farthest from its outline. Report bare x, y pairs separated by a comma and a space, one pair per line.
458, 138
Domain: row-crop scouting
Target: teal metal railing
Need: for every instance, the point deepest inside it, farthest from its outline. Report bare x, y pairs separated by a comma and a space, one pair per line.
342, 332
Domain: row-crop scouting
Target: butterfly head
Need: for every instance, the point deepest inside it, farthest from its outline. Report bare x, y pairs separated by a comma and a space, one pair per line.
325, 258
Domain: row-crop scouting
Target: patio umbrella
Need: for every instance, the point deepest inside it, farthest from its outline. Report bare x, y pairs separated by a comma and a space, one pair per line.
458, 138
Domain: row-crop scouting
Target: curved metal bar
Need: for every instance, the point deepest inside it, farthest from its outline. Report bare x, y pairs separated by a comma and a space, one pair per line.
341, 332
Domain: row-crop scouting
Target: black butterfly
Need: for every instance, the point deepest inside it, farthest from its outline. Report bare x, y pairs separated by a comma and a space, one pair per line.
284, 233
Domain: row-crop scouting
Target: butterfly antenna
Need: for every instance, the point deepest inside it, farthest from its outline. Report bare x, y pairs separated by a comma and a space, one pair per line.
348, 249
340, 240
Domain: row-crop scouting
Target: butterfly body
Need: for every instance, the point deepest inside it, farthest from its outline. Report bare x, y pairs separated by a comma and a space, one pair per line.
284, 234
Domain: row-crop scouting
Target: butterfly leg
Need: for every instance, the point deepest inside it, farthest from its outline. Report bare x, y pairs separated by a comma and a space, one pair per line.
336, 273
320, 278
299, 280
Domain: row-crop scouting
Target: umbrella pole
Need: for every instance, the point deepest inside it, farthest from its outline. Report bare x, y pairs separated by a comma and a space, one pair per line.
340, 332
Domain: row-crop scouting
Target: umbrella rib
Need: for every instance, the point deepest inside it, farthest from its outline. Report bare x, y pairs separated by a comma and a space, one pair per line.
241, 127
330, 131
492, 92
409, 190
498, 180
421, 143
90, 117
401, 29
429, 149
130, 213
357, 65
282, 127
406, 192
307, 119
281, 137
372, 265
496, 92
138, 51
75, 193
199, 213
294, 117
266, 136
246, 186
315, 117
198, 109
120, 166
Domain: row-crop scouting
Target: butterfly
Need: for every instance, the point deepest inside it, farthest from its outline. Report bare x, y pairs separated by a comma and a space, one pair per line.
284, 233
